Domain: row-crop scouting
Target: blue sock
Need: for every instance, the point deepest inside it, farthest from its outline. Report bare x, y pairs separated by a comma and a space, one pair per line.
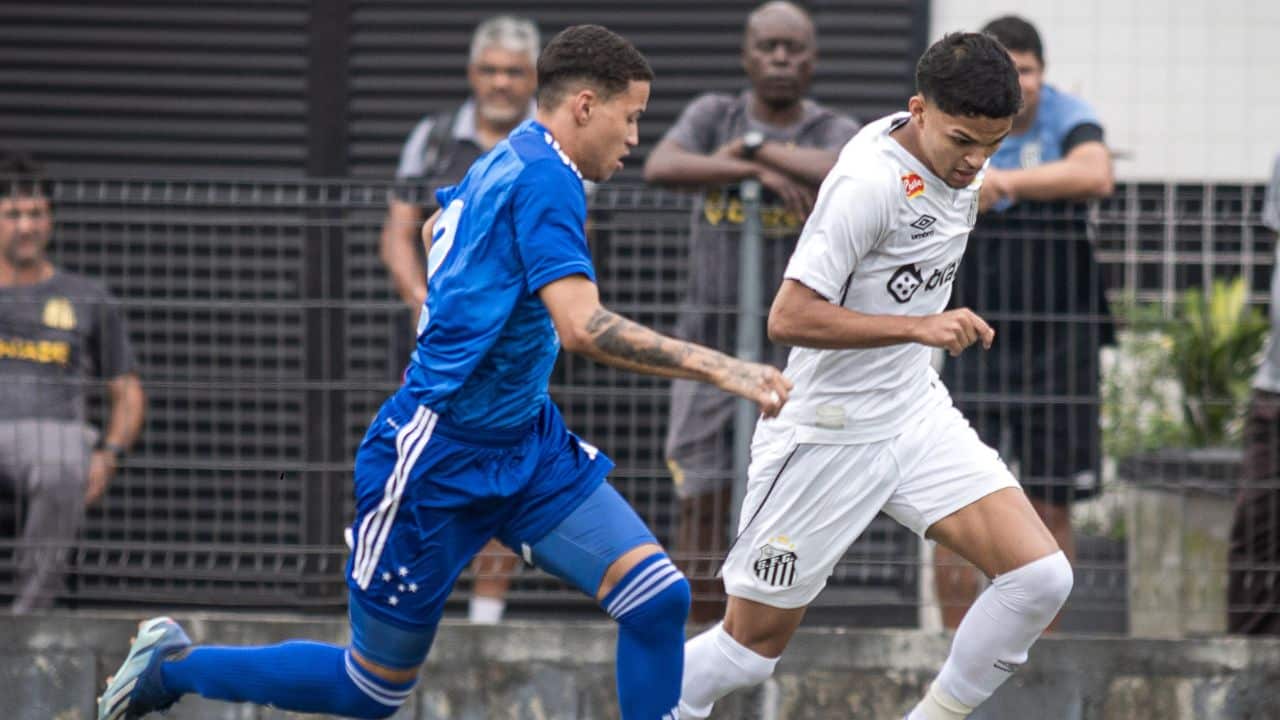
301, 676
651, 605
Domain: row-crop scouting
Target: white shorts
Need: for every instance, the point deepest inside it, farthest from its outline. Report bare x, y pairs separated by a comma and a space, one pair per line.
809, 498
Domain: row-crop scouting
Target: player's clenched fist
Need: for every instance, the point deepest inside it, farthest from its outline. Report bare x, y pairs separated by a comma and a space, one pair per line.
762, 384
954, 330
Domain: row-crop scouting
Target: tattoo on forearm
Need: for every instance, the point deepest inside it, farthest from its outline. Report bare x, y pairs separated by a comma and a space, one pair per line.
623, 339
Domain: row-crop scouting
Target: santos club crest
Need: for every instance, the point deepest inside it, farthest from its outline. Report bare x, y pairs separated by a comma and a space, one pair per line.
777, 562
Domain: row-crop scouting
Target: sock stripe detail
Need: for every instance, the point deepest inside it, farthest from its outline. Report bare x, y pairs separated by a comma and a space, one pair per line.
651, 580
622, 593
666, 581
383, 695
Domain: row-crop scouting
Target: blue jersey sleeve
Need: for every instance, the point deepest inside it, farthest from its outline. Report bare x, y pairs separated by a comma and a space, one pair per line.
549, 209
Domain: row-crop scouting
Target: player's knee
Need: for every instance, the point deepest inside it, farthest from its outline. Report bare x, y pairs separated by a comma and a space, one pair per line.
653, 597
1039, 589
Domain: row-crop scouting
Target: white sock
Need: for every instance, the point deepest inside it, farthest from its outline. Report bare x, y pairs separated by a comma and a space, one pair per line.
995, 635
485, 610
938, 705
715, 665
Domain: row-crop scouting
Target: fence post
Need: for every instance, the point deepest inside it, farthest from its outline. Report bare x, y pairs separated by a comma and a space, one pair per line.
324, 289
750, 342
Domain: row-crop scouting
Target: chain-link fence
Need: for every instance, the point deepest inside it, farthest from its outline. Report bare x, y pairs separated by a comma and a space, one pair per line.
266, 335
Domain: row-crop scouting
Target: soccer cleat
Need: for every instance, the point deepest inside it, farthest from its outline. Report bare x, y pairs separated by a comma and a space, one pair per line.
136, 688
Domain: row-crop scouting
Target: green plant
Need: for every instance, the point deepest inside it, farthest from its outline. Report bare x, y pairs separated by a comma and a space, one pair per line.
1183, 379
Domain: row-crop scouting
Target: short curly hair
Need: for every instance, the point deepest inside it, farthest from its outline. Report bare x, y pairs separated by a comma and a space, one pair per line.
592, 55
969, 74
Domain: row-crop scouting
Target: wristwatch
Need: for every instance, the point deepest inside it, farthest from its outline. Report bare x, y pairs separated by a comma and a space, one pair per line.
751, 142
116, 450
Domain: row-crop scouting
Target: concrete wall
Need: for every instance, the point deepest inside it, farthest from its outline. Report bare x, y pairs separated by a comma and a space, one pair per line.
52, 667
1185, 88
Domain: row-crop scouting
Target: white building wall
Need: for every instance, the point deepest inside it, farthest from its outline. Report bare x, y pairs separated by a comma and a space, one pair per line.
1188, 90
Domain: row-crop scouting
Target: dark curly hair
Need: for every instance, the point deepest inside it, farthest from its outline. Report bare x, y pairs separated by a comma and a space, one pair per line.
588, 54
969, 74
21, 175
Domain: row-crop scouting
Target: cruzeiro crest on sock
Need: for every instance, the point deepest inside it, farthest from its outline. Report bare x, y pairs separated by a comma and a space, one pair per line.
777, 562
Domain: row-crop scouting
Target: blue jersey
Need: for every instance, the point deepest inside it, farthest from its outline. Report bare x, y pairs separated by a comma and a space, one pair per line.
1057, 115
486, 343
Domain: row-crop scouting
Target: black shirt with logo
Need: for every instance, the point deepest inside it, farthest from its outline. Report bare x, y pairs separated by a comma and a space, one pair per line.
56, 338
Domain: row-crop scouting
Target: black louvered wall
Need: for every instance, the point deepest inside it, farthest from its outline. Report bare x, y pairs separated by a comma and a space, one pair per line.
215, 88
408, 57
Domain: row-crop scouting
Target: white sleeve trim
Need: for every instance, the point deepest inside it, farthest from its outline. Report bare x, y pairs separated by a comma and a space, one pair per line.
414, 153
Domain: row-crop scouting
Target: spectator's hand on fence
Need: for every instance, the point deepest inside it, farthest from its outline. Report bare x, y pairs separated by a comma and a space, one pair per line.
762, 384
954, 331
102, 466
796, 196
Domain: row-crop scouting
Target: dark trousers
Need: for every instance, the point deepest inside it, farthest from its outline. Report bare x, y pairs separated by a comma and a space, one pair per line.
1254, 589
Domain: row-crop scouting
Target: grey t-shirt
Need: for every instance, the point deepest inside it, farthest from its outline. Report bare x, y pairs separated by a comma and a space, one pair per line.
55, 336
707, 123
701, 415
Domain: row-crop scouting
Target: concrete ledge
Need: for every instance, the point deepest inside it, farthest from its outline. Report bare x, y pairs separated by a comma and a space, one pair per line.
52, 666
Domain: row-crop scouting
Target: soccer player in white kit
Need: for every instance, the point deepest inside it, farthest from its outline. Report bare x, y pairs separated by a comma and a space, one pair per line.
870, 426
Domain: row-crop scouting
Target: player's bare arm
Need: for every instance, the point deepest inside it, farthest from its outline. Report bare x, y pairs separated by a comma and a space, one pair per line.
396, 249
1085, 173
588, 328
803, 317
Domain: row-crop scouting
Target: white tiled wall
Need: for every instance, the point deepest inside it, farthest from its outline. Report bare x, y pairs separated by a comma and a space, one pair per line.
1187, 89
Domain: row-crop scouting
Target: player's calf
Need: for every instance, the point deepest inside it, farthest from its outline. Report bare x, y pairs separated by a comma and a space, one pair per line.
651, 604
994, 637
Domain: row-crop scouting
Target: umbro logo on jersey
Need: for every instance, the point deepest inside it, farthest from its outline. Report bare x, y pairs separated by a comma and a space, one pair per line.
923, 224
912, 185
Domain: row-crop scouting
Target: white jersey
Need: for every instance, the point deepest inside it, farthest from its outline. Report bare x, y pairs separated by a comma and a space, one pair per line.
885, 238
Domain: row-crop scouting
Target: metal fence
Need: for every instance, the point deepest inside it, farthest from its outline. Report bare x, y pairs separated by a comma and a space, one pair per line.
267, 336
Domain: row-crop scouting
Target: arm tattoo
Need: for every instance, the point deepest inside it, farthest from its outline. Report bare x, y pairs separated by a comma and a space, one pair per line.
623, 339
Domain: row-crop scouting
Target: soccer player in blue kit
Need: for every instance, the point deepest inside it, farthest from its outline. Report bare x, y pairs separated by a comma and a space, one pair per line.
471, 446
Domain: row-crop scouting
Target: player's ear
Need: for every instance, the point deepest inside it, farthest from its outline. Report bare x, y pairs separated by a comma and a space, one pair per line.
583, 104
916, 107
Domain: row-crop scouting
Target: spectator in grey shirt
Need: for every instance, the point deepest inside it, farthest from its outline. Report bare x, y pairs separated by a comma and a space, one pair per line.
774, 134
57, 332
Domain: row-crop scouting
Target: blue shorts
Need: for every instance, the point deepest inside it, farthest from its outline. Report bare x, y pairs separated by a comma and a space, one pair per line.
429, 496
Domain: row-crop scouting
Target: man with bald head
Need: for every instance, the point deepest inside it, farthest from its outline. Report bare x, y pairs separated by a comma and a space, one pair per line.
769, 132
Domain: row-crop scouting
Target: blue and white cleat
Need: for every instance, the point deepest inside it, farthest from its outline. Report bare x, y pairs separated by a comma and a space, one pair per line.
136, 688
